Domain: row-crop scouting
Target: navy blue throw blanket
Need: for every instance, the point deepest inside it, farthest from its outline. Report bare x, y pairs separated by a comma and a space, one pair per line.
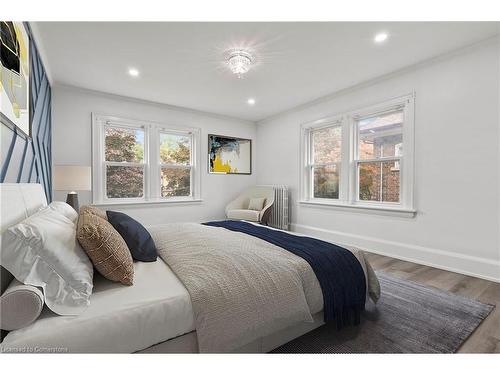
338, 271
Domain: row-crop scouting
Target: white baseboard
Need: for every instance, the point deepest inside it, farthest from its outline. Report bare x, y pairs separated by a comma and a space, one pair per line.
465, 264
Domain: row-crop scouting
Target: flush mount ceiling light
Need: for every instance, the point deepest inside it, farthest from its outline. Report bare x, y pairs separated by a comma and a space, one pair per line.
380, 37
133, 72
251, 101
239, 61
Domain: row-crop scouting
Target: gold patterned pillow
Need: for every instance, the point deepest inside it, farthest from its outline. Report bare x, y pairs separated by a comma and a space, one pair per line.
95, 211
105, 247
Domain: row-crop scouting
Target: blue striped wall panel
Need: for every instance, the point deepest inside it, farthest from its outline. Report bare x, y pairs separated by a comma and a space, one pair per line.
30, 159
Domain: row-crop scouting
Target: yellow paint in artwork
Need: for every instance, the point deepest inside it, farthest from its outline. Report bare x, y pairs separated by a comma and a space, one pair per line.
17, 111
219, 166
23, 48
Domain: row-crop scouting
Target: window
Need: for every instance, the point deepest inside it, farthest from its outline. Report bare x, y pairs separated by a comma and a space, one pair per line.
140, 162
362, 158
376, 162
175, 165
124, 162
326, 161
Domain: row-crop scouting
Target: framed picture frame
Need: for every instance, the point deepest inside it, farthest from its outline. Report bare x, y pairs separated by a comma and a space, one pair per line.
229, 155
15, 63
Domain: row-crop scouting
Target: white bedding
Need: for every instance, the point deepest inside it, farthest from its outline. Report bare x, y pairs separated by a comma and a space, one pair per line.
120, 319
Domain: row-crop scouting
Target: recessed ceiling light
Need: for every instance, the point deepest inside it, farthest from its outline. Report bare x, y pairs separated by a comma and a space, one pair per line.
380, 37
251, 101
133, 72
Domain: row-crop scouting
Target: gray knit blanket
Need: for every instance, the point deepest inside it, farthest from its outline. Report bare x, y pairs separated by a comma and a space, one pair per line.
241, 287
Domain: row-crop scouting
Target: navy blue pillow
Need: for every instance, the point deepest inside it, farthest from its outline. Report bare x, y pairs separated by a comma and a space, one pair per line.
136, 237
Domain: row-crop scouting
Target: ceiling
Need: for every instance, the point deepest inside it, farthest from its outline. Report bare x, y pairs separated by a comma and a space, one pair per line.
181, 63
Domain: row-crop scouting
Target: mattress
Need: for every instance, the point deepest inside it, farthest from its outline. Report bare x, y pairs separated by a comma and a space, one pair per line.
120, 319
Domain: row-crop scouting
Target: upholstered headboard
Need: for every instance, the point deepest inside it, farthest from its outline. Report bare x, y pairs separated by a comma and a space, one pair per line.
18, 201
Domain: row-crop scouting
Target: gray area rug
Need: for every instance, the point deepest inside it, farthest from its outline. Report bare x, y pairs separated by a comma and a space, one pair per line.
408, 318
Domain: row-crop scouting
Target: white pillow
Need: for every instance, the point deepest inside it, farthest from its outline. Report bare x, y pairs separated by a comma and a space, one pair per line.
65, 209
20, 305
256, 204
43, 251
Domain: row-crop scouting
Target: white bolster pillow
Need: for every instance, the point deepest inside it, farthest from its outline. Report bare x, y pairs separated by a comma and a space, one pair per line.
20, 305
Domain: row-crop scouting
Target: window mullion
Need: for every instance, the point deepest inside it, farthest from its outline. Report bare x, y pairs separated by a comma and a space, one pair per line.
178, 166
353, 156
308, 165
306, 170
379, 160
123, 164
407, 162
344, 161
322, 165
191, 170
191, 182
99, 167
153, 161
147, 162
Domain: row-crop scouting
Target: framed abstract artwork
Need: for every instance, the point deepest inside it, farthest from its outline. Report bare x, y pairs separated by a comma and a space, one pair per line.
15, 76
229, 155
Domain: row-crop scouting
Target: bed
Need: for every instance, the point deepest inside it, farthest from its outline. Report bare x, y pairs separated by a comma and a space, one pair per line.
120, 319
158, 314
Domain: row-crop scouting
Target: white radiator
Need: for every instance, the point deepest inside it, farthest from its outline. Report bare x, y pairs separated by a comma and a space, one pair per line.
280, 212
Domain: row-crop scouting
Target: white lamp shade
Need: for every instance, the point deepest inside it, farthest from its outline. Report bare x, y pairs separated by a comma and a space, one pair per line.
72, 178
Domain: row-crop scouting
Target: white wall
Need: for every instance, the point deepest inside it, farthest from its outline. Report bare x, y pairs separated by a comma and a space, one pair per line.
457, 165
71, 113
457, 226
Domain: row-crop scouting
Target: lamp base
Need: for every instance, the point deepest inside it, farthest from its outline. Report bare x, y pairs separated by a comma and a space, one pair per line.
72, 200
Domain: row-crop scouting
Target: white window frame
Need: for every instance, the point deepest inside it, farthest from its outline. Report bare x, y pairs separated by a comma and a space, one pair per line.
309, 164
152, 164
348, 187
191, 165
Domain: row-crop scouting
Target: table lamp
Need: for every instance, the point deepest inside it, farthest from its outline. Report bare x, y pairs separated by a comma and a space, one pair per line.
72, 178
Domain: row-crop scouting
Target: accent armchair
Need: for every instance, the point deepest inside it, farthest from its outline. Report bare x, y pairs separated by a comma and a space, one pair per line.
238, 208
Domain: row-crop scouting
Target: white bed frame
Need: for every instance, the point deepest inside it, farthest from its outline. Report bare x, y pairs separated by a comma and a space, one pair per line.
19, 201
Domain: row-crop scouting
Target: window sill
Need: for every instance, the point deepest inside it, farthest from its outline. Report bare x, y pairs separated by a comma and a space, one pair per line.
373, 209
179, 202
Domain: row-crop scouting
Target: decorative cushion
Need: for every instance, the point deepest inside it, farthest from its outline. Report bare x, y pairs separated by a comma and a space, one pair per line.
94, 211
136, 237
65, 209
106, 248
256, 204
249, 215
20, 305
42, 250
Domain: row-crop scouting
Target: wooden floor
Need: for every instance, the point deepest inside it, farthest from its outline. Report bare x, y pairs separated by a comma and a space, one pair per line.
486, 338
